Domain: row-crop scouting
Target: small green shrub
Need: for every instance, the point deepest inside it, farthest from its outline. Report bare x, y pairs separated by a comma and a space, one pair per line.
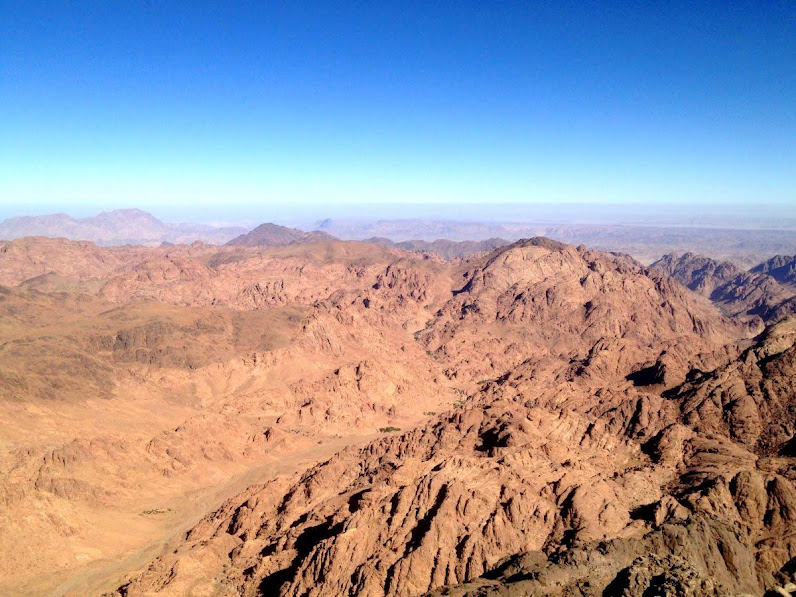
156, 511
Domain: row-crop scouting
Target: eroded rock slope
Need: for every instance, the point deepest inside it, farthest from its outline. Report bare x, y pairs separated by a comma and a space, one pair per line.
616, 435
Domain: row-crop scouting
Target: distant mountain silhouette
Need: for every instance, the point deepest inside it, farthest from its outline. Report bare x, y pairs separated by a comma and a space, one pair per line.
648, 243
273, 235
117, 227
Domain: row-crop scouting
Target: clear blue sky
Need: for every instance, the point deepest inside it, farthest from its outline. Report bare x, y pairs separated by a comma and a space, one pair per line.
163, 104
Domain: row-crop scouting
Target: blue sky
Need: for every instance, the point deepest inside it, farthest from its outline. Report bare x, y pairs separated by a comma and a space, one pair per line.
166, 105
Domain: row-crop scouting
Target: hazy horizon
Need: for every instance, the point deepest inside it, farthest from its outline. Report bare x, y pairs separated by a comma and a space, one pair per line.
737, 216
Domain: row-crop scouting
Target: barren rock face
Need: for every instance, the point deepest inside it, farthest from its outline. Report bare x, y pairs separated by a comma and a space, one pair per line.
560, 473
342, 419
128, 391
534, 500
540, 298
780, 267
758, 292
434, 507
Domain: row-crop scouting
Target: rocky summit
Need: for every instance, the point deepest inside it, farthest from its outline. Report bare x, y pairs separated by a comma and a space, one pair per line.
294, 415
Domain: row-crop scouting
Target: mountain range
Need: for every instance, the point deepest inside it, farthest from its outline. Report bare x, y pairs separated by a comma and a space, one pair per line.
117, 227
337, 417
646, 243
447, 238
762, 291
780, 267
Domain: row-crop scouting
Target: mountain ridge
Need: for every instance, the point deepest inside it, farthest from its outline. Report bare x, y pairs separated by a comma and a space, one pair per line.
340, 417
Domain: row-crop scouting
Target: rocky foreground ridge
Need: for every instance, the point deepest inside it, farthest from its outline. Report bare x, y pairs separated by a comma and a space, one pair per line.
540, 420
